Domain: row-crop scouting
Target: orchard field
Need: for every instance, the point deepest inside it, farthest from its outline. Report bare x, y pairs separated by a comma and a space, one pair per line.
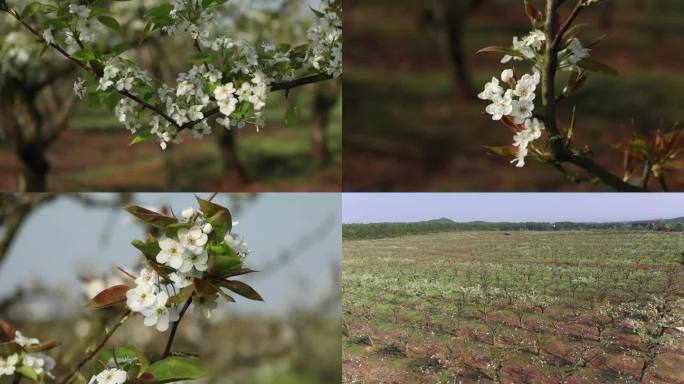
514, 307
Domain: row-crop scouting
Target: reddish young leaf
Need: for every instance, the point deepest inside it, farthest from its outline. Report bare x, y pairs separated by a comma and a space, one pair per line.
7, 332
151, 217
203, 288
240, 288
109, 297
533, 13
44, 346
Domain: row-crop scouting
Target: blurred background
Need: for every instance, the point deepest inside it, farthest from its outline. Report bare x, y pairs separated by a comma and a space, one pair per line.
413, 122
57, 251
52, 141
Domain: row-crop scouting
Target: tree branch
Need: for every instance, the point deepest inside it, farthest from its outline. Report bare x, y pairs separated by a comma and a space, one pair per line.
274, 87
91, 354
556, 141
174, 328
283, 86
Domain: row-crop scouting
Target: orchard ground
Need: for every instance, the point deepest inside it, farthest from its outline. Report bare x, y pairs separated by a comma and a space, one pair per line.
94, 154
403, 115
406, 320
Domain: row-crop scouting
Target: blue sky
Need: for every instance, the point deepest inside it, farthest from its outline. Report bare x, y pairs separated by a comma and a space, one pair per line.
402, 207
64, 238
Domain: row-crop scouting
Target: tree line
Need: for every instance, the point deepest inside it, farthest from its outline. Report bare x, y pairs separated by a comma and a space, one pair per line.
384, 230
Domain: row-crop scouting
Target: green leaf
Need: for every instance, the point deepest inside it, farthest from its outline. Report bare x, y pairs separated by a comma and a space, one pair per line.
175, 369
149, 249
109, 297
109, 22
123, 354
141, 137
183, 295
119, 49
9, 348
595, 66
151, 217
240, 288
218, 216
31, 9
201, 56
84, 55
28, 373
222, 265
159, 11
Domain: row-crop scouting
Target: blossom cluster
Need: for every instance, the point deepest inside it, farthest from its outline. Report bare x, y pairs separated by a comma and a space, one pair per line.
517, 104
183, 259
325, 37
530, 47
39, 363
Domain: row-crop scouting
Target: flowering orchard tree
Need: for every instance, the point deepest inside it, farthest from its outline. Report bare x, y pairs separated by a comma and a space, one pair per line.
552, 47
228, 79
192, 263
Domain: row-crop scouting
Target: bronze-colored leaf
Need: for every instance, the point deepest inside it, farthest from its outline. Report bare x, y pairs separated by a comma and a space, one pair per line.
109, 297
44, 346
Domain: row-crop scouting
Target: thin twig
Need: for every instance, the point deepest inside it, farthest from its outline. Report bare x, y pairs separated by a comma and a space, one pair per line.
212, 196
174, 328
91, 354
647, 175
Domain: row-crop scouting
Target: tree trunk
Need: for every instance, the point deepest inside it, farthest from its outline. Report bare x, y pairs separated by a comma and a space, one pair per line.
29, 140
324, 101
234, 172
455, 18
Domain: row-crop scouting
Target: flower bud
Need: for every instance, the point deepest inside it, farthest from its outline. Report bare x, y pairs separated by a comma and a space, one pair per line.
187, 213
207, 228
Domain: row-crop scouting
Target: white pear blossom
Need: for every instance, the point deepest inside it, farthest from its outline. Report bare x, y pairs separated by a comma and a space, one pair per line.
172, 253
491, 89
81, 11
47, 36
8, 365
207, 228
187, 213
79, 88
193, 239
521, 110
147, 276
110, 376
501, 105
204, 306
158, 314
224, 92
24, 341
199, 261
235, 242
181, 280
141, 297
527, 86
506, 75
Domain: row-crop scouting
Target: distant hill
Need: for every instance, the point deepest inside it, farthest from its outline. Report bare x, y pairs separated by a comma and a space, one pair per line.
383, 230
440, 220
